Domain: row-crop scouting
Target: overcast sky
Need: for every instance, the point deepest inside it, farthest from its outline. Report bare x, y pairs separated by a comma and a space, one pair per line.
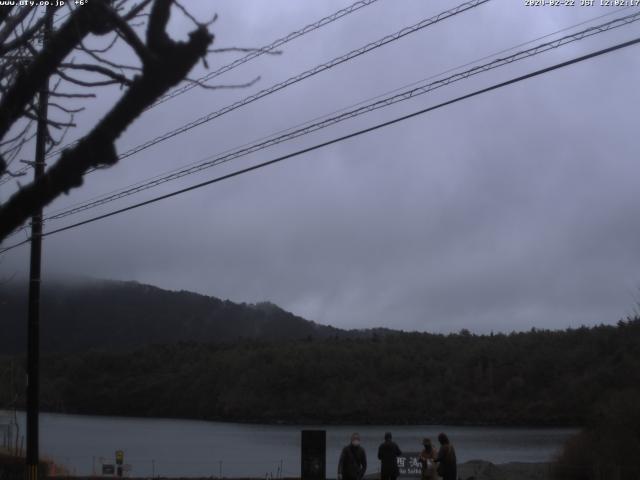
512, 210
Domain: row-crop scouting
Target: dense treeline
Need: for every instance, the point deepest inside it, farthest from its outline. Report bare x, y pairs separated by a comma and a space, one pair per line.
532, 378
609, 445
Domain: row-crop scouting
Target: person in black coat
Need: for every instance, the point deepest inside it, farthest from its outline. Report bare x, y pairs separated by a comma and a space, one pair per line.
388, 453
447, 462
353, 460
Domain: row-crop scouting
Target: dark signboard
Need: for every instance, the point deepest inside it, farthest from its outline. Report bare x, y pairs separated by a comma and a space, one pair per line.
108, 469
314, 454
409, 465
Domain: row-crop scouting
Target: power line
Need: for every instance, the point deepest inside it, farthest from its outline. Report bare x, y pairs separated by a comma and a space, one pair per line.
342, 138
343, 109
267, 48
231, 154
295, 79
251, 56
19, 173
399, 97
305, 75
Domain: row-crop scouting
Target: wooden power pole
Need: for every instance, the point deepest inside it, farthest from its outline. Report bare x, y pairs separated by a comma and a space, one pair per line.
33, 323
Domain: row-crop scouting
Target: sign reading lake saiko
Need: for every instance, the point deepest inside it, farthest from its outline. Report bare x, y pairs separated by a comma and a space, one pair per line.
409, 465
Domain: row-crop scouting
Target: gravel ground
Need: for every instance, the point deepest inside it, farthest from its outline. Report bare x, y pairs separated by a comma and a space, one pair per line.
481, 470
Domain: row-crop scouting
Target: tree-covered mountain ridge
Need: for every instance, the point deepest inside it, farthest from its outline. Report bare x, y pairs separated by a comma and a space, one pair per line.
87, 314
199, 362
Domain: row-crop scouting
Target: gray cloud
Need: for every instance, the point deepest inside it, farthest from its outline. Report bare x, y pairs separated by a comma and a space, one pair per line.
512, 210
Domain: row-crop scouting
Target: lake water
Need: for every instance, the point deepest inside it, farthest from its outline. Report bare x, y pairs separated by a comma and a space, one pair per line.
196, 448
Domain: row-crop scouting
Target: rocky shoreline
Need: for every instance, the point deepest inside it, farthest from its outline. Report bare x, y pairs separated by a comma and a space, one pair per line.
482, 470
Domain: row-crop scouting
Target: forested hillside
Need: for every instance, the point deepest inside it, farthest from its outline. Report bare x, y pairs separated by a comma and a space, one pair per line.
533, 378
109, 315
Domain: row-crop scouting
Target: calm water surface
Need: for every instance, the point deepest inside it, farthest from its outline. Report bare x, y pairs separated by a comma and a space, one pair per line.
197, 448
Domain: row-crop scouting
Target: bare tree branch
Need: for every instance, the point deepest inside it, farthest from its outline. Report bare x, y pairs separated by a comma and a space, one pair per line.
223, 87
135, 10
66, 109
129, 35
108, 47
94, 54
12, 23
87, 83
88, 67
25, 36
18, 135
186, 13
28, 82
5, 12
16, 174
167, 65
51, 122
72, 95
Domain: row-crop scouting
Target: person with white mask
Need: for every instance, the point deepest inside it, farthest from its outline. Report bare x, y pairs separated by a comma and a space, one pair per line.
353, 460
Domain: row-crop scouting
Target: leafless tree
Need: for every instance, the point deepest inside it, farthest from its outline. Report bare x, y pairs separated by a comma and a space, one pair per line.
74, 67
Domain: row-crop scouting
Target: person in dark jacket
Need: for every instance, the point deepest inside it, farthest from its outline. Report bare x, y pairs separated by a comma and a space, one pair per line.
388, 453
353, 460
447, 463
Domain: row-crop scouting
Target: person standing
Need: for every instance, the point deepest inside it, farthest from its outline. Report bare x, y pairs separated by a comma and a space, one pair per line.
388, 453
353, 460
428, 460
446, 459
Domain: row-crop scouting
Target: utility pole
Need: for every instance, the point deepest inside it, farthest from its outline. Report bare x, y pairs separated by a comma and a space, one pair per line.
33, 325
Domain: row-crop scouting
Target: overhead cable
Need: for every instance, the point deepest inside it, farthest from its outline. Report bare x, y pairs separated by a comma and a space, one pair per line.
339, 139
